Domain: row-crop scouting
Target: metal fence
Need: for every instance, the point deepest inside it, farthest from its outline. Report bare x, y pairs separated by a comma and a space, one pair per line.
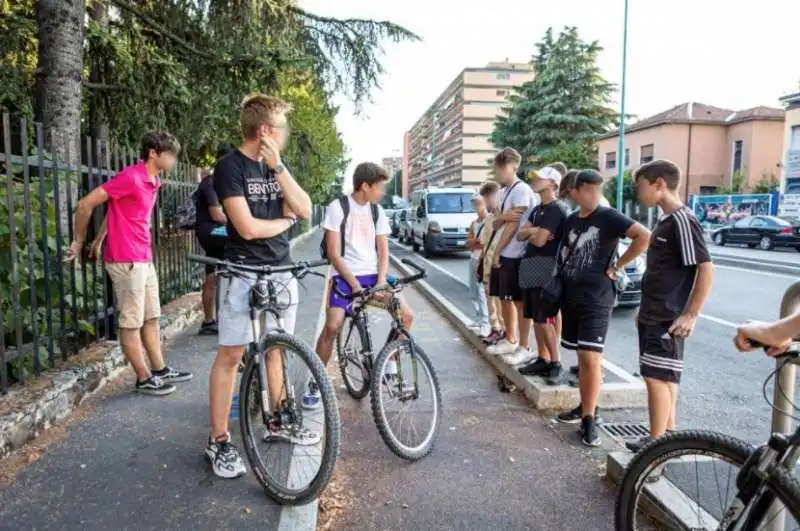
50, 309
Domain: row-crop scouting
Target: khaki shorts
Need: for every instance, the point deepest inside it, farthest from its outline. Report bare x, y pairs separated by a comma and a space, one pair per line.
136, 293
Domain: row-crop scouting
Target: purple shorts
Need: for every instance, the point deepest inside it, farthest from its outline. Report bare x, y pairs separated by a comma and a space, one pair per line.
336, 301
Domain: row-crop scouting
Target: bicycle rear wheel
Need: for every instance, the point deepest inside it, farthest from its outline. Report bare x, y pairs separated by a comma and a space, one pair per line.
400, 381
352, 362
660, 490
292, 452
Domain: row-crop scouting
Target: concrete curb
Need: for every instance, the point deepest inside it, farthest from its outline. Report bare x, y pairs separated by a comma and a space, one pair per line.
630, 393
664, 501
52, 397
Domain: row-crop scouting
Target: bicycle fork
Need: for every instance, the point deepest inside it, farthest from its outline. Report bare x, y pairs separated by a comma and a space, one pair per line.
744, 514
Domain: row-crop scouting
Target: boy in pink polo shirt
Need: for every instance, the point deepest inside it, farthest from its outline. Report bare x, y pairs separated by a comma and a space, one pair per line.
131, 196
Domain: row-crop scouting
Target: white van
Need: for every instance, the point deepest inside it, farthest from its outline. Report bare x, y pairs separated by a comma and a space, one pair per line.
441, 219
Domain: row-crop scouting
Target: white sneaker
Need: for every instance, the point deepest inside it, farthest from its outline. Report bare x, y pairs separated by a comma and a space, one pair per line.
480, 330
518, 357
502, 347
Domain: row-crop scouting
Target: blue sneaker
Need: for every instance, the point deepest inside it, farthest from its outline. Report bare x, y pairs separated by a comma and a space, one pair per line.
312, 398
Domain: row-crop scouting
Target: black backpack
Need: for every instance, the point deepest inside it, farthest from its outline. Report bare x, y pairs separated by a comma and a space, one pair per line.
345, 204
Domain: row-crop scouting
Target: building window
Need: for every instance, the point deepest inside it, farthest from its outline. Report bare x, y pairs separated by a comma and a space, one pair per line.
611, 160
501, 93
646, 154
627, 158
503, 75
738, 147
794, 139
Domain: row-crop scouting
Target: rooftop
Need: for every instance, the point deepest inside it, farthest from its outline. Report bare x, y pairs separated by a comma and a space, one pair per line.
700, 113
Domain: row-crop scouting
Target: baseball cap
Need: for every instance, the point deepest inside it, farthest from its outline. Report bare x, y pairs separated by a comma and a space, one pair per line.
548, 173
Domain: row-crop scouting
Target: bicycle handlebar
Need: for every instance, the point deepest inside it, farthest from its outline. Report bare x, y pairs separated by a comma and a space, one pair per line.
259, 269
369, 292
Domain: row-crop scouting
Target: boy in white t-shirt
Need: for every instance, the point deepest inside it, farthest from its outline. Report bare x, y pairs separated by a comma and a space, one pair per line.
360, 256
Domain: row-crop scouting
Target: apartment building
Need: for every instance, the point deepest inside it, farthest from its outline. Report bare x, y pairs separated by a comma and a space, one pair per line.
709, 143
790, 179
449, 144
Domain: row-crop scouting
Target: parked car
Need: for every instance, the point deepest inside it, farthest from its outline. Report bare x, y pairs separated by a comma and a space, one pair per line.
404, 226
766, 232
392, 214
632, 296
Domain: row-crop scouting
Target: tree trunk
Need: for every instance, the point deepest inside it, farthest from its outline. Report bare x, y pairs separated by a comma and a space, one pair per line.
60, 34
59, 90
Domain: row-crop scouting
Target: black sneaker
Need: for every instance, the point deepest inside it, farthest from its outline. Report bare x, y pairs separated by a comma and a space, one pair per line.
554, 373
168, 374
155, 386
208, 328
225, 459
637, 445
535, 368
589, 435
574, 416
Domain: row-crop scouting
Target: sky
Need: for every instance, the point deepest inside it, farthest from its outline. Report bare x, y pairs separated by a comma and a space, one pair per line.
728, 54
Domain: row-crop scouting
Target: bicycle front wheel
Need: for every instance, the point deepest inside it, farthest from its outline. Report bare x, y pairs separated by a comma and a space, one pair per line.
402, 382
292, 451
662, 482
352, 362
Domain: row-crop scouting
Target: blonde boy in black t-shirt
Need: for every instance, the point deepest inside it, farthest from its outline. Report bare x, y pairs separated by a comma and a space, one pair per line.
674, 288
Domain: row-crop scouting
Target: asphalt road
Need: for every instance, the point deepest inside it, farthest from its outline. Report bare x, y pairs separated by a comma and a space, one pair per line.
721, 388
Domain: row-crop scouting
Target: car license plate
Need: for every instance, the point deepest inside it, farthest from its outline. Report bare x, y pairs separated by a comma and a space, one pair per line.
461, 242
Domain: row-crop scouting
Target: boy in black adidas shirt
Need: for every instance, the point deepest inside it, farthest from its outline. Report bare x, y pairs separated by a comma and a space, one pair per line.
674, 288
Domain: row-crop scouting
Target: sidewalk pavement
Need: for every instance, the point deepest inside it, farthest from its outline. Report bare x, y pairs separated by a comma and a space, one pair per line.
137, 461
497, 464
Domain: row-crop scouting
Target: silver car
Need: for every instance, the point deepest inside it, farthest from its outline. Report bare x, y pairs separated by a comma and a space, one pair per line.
404, 226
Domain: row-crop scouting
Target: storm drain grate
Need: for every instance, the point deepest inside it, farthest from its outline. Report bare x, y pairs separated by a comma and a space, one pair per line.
624, 431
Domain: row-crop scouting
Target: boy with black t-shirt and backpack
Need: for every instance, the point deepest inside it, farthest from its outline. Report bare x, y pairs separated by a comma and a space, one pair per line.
357, 244
588, 272
675, 286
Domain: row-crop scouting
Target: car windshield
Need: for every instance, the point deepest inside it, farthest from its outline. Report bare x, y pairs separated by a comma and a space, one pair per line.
455, 203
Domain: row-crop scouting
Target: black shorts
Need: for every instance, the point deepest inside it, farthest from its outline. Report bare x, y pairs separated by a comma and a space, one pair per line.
504, 280
660, 353
213, 246
584, 327
540, 309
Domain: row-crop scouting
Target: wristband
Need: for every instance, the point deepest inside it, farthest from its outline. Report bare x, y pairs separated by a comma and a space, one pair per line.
292, 220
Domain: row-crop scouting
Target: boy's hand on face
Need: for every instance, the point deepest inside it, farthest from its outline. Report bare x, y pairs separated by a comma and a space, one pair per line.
270, 152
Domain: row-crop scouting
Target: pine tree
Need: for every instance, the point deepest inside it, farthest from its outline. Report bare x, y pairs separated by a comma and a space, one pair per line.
558, 115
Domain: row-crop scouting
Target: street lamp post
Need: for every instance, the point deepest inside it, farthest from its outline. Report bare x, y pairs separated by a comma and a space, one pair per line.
621, 144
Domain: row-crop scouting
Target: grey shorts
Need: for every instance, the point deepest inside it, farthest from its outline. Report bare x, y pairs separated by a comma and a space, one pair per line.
235, 327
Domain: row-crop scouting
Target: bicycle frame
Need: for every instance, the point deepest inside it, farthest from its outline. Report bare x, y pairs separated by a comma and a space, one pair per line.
781, 450
397, 330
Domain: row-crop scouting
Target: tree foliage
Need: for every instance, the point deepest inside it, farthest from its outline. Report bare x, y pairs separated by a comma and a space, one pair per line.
628, 189
185, 65
558, 115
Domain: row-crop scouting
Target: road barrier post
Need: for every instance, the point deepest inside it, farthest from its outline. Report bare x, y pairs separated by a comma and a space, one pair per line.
783, 399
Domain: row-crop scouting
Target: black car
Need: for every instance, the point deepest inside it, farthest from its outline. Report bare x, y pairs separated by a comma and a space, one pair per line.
764, 232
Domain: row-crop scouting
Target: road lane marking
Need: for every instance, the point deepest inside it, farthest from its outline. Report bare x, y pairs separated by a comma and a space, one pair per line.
718, 320
432, 264
765, 273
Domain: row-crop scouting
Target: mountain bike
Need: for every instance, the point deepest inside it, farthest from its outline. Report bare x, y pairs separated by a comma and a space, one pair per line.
280, 476
764, 485
396, 374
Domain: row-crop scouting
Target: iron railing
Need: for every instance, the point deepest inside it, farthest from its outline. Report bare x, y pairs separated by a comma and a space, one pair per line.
50, 309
